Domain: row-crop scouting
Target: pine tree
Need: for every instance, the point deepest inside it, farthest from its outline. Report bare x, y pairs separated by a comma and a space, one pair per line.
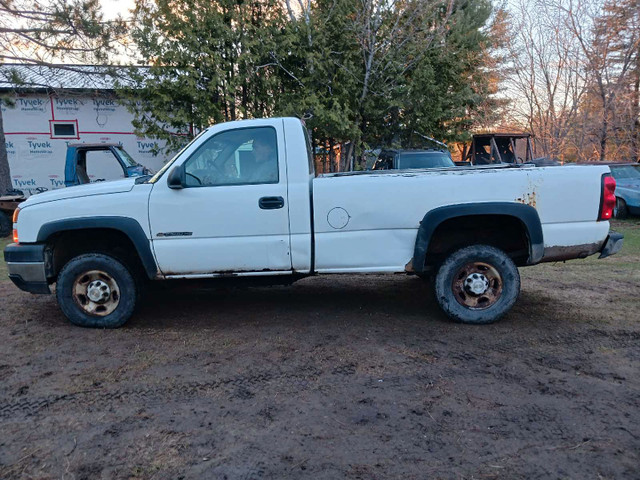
210, 61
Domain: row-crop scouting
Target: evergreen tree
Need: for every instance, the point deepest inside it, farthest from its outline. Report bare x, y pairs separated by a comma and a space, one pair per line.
210, 61
364, 72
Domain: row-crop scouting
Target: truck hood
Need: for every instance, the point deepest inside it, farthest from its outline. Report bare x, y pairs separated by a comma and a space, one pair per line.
98, 188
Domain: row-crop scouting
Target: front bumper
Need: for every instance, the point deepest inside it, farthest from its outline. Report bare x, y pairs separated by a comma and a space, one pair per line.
612, 244
27, 267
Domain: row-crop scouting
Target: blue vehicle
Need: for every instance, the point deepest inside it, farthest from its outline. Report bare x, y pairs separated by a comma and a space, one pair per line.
627, 189
108, 161
75, 170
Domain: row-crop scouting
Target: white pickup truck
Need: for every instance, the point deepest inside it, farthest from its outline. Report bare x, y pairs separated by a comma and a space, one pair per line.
242, 200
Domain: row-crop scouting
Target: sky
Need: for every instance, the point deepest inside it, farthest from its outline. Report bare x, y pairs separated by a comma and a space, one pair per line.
112, 8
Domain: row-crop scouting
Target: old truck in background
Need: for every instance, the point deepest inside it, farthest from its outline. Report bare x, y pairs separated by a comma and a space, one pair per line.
242, 201
98, 162
84, 163
496, 148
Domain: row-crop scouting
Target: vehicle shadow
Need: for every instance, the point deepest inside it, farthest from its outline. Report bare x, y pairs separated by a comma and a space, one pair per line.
337, 301
330, 300
337, 297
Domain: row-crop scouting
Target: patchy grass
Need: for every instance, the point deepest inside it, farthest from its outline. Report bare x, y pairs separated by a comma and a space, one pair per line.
631, 230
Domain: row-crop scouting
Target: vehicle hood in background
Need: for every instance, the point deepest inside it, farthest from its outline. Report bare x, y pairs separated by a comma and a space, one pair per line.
89, 189
629, 183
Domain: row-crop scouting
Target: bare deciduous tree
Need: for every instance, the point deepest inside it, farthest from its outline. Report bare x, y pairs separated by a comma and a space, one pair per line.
548, 79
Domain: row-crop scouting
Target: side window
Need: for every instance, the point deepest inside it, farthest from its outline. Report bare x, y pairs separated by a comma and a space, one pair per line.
102, 165
236, 157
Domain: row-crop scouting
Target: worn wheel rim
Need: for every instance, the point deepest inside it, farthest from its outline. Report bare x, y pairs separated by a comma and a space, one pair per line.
96, 293
477, 285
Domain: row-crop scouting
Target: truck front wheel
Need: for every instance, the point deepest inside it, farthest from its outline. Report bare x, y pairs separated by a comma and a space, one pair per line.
477, 284
96, 290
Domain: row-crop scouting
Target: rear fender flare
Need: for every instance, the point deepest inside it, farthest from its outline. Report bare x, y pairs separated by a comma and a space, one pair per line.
525, 213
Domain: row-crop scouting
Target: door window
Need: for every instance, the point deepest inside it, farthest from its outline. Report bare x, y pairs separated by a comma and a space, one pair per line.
102, 165
236, 157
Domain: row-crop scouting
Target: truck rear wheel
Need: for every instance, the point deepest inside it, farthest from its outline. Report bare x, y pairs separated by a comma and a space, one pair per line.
477, 284
96, 290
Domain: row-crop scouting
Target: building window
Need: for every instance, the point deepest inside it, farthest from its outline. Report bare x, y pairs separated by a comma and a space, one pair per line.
64, 128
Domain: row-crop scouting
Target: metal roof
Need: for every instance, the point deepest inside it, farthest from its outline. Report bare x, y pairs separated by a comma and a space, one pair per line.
63, 77
514, 135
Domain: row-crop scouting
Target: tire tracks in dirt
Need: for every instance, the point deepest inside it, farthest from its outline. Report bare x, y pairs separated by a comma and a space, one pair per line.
98, 397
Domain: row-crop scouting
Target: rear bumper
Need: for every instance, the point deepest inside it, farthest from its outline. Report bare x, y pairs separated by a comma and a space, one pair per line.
612, 244
27, 267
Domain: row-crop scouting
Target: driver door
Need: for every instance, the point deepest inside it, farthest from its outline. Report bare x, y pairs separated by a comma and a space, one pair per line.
231, 216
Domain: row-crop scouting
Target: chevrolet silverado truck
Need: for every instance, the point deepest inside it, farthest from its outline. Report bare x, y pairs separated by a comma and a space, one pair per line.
242, 200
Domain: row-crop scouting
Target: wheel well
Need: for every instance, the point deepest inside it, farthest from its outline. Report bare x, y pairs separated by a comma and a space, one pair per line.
66, 245
505, 232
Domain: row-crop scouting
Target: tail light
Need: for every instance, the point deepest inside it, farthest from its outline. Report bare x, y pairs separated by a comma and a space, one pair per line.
16, 212
607, 197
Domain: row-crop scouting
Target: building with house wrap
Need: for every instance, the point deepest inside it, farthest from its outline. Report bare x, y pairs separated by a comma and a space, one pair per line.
55, 106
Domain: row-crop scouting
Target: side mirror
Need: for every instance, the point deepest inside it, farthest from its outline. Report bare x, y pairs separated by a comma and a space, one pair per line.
176, 178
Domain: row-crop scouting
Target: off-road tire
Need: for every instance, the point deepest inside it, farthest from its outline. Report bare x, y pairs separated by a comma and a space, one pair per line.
5, 225
444, 284
620, 211
116, 270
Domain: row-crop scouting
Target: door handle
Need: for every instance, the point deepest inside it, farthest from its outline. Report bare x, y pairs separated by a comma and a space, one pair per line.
271, 203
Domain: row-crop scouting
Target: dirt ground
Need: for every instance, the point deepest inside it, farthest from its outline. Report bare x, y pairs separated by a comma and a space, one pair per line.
333, 377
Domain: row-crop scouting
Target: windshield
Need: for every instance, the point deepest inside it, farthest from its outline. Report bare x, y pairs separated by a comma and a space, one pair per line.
626, 172
425, 160
125, 158
157, 176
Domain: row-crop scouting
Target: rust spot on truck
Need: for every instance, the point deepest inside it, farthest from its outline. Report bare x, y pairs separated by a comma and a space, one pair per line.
216, 273
409, 266
560, 253
528, 199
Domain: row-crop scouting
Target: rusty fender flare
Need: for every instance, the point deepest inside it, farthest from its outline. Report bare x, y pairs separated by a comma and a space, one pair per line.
527, 215
130, 227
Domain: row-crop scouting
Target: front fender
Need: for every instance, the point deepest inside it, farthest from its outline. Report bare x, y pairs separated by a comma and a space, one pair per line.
128, 226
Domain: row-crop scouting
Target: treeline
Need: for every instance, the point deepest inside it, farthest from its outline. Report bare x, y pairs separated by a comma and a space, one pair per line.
575, 77
364, 73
